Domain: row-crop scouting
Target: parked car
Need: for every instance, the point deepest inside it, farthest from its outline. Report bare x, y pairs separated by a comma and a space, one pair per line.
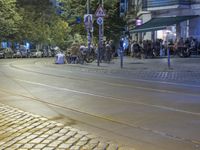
8, 53
34, 53
47, 53
17, 54
24, 52
1, 53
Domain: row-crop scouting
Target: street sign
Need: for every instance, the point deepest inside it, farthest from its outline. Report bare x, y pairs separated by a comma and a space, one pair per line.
88, 21
100, 12
99, 20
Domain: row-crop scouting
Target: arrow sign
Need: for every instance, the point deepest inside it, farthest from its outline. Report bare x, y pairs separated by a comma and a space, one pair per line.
100, 12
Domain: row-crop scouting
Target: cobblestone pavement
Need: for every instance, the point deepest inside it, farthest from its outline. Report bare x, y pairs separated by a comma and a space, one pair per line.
21, 130
182, 69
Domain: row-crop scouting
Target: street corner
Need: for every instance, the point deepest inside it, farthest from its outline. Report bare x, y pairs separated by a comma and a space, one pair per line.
23, 130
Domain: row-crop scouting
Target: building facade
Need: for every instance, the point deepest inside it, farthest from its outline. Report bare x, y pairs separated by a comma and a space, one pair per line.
145, 10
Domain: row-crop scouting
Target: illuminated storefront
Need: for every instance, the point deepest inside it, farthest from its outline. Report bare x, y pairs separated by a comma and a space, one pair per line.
187, 10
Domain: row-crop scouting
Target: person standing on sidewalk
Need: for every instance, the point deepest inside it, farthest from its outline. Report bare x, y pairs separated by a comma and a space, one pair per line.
108, 52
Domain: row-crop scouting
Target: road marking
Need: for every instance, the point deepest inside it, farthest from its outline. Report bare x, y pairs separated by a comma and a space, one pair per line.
108, 119
109, 97
119, 84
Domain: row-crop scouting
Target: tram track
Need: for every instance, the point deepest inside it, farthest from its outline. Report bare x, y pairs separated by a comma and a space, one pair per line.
162, 134
193, 141
114, 84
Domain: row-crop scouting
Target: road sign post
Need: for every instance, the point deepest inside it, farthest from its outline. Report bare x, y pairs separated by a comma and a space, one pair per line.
121, 52
100, 13
88, 21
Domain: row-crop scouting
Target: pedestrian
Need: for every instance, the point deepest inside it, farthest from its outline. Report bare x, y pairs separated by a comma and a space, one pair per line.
108, 52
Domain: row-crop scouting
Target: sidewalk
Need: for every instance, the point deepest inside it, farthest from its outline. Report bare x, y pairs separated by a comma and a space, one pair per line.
154, 64
21, 130
181, 69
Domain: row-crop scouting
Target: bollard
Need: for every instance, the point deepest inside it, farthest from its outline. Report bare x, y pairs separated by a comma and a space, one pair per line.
168, 58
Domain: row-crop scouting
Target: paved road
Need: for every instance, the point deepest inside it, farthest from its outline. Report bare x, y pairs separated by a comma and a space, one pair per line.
145, 105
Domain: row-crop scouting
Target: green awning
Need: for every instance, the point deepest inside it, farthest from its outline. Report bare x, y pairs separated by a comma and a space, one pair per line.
160, 23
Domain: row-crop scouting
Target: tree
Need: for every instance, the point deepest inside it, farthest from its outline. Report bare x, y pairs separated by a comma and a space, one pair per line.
37, 21
9, 19
71, 10
59, 33
113, 25
37, 16
41, 25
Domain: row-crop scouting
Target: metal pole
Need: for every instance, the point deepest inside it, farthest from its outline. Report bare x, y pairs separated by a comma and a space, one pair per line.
100, 45
168, 57
88, 6
121, 56
88, 30
102, 3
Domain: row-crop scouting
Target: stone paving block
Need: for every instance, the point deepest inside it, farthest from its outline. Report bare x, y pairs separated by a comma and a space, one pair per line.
38, 132
40, 146
64, 131
47, 141
30, 137
22, 130
72, 140
63, 138
28, 146
24, 141
75, 147
78, 136
71, 133
64, 146
52, 137
37, 140
84, 138
55, 143
16, 146
48, 148
44, 135
81, 143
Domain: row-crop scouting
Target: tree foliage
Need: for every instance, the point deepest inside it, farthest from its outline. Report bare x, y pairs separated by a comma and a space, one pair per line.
9, 19
36, 21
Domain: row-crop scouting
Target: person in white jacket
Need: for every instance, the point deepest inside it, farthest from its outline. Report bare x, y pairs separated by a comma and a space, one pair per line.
60, 58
